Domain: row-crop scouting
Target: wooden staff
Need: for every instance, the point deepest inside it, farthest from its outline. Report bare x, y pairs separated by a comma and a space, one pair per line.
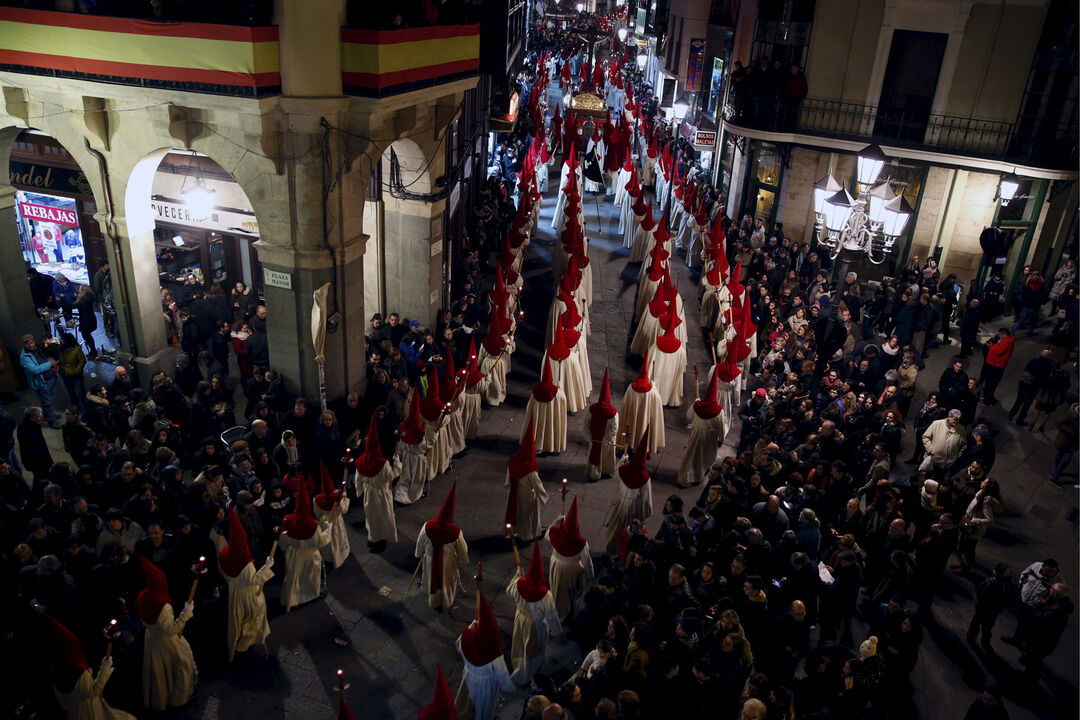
414, 574
712, 346
697, 382
564, 497
479, 577
273, 547
517, 555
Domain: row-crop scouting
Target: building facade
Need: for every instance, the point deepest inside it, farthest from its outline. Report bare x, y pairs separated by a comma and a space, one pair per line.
958, 94
325, 145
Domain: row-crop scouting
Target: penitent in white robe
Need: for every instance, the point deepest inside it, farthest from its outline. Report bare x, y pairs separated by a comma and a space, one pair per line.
641, 410
570, 376
415, 472
470, 408
247, 608
648, 329
705, 438
86, 701
549, 419
535, 623
455, 555
630, 226
303, 568
454, 428
438, 454
531, 498
496, 368
379, 502
642, 243
667, 371
620, 186
631, 505
607, 448
541, 177
480, 687
567, 577
337, 552
168, 678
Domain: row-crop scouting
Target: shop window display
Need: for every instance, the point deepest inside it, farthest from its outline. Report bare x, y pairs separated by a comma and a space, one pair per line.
50, 235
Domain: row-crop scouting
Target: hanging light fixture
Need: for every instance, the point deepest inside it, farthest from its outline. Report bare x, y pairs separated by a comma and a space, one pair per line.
622, 34
837, 209
871, 161
896, 214
824, 188
1010, 183
880, 195
199, 200
642, 58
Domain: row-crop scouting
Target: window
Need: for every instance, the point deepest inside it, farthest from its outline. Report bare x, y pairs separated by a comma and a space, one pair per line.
716, 85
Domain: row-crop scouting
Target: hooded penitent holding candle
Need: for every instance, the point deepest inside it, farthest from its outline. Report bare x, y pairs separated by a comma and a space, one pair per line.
535, 621
707, 429
374, 482
168, 677
441, 706
485, 674
412, 455
729, 390
433, 412
450, 389
443, 550
476, 384
78, 692
642, 407
547, 412
668, 357
526, 495
635, 494
495, 351
247, 605
602, 429
570, 567
302, 541
569, 179
338, 550
652, 272
567, 371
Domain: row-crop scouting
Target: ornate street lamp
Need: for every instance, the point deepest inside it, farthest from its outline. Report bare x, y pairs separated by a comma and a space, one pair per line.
871, 161
1010, 183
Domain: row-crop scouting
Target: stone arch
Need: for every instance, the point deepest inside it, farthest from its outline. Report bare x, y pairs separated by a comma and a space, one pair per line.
17, 312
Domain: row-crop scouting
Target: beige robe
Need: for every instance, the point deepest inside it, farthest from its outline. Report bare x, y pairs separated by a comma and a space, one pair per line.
608, 454
455, 555
531, 498
303, 568
642, 243
438, 454
337, 552
549, 422
568, 577
641, 410
496, 368
631, 505
668, 371
85, 701
378, 497
168, 678
415, 472
570, 376
535, 623
478, 694
247, 608
470, 408
701, 451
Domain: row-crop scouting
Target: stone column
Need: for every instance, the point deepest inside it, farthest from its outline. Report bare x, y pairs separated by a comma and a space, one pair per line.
414, 247
17, 314
151, 351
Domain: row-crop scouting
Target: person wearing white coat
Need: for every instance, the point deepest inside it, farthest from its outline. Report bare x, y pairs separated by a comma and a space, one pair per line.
485, 667
302, 540
247, 604
168, 677
535, 620
374, 482
707, 429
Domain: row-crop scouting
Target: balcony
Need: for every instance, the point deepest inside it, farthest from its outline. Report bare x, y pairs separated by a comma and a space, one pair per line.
724, 13
195, 57
1055, 148
379, 63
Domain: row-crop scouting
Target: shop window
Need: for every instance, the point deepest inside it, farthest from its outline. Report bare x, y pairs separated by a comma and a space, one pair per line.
767, 164
716, 85
50, 235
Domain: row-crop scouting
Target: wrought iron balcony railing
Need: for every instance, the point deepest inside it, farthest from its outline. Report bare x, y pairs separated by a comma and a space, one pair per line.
1053, 146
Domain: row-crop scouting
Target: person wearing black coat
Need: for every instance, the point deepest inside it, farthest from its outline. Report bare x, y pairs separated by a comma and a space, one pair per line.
990, 597
987, 706
32, 446
1034, 376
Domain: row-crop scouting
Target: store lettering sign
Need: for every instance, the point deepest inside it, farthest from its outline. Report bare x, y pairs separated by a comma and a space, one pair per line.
37, 177
705, 137
219, 220
45, 213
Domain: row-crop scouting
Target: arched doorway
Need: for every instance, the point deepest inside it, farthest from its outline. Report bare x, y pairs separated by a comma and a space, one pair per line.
192, 230
63, 252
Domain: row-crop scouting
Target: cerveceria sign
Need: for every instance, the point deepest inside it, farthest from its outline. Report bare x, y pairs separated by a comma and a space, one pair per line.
46, 213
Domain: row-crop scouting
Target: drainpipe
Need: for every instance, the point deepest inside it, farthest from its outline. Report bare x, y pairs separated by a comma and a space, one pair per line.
118, 261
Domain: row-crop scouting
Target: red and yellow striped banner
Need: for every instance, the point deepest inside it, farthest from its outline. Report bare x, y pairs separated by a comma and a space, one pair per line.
202, 57
377, 63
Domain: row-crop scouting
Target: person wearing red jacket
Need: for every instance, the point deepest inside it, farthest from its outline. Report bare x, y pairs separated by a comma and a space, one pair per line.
998, 351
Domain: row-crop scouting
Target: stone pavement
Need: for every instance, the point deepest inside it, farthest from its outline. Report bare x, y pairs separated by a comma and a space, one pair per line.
388, 646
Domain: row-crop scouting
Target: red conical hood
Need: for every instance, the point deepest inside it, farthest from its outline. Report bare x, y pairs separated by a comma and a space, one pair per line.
566, 537
737, 349
448, 390
431, 406
155, 596
533, 587
546, 389
523, 462
329, 495
629, 163
300, 525
498, 294
236, 555
472, 369
647, 222
633, 473
707, 407
643, 384
729, 369
411, 430
668, 342
70, 662
569, 321
481, 644
442, 528
745, 324
371, 462
442, 703
558, 349
712, 275
659, 303
661, 233
735, 287
640, 207
343, 711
